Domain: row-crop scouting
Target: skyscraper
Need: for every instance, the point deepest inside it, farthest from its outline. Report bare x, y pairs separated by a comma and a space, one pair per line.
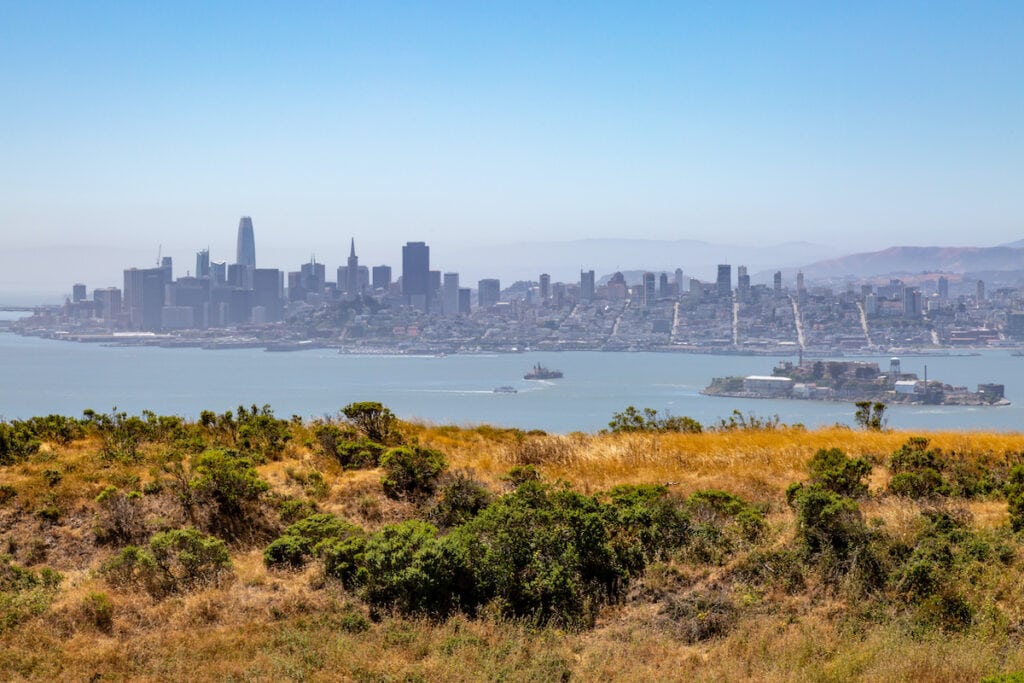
416, 274
545, 286
587, 285
203, 263
246, 248
743, 283
777, 281
381, 277
648, 290
488, 292
352, 273
943, 288
451, 294
724, 282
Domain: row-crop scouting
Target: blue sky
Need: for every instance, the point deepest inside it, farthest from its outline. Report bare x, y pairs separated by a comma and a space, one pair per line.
862, 124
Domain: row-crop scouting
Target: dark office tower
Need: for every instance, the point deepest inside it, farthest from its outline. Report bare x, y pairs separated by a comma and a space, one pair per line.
78, 292
800, 281
381, 277
245, 253
488, 292
451, 294
724, 282
203, 263
545, 286
108, 303
464, 299
351, 285
979, 292
663, 286
144, 293
313, 277
587, 285
266, 286
777, 282
943, 288
679, 282
416, 274
363, 279
648, 290
434, 284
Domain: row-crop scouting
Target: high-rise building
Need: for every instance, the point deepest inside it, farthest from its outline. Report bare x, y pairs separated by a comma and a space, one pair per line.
488, 292
451, 294
313, 276
586, 286
679, 282
800, 282
267, 286
203, 263
351, 287
545, 286
943, 288
246, 245
219, 272
649, 295
663, 290
167, 265
724, 281
743, 283
416, 274
108, 303
381, 277
78, 292
465, 295
144, 294
979, 291
777, 282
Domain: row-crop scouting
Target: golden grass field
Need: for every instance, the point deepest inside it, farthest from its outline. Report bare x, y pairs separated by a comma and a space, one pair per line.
270, 625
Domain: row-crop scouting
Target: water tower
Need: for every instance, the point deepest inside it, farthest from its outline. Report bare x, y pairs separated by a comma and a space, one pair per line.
894, 369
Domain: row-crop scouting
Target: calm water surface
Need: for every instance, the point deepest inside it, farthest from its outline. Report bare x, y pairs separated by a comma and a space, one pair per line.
39, 377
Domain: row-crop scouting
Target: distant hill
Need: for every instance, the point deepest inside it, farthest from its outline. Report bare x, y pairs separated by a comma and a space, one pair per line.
897, 260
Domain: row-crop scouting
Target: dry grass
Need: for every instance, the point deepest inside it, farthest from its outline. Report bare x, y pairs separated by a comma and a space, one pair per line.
275, 625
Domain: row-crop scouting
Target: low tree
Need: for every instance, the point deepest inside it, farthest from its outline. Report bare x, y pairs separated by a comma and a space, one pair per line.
870, 415
374, 420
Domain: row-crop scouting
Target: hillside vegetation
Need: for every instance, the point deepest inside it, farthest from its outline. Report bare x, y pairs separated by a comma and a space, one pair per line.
243, 546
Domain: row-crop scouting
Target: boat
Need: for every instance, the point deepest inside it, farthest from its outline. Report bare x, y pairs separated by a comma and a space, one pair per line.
541, 372
505, 389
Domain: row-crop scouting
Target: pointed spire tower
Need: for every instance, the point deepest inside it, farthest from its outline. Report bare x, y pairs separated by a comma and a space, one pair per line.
352, 272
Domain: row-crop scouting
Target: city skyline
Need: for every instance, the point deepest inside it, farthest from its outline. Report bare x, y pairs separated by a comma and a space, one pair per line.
499, 124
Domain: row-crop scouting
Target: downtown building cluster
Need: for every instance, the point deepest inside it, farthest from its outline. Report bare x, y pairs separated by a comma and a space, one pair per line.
365, 308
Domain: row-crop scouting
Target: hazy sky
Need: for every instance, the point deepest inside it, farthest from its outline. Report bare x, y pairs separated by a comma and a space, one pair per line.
870, 124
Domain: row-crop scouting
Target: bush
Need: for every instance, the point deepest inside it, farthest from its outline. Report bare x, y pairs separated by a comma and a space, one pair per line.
17, 442
544, 554
648, 420
303, 539
411, 471
99, 611
23, 592
229, 487
702, 614
407, 567
917, 470
827, 521
58, 429
120, 520
375, 421
460, 498
833, 470
645, 523
1014, 488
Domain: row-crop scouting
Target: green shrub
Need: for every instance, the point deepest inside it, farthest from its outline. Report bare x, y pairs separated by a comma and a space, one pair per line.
411, 471
459, 499
917, 470
827, 521
57, 429
375, 421
407, 567
17, 442
832, 469
23, 592
649, 420
1014, 488
228, 487
645, 523
543, 554
186, 558
520, 474
260, 433
302, 540
99, 610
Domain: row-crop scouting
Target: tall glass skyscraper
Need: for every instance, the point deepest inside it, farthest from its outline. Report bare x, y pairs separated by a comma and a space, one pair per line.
246, 251
416, 274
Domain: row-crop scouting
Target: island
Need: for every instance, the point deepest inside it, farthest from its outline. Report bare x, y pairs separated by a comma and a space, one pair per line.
853, 381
